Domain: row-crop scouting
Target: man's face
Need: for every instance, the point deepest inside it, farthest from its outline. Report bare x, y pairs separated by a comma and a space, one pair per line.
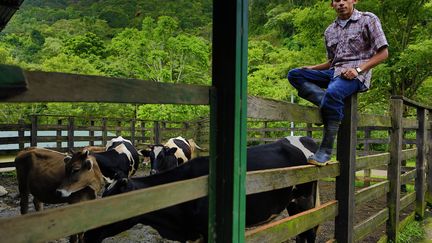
343, 8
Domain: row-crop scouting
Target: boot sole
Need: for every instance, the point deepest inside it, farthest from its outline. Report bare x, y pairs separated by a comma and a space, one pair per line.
314, 162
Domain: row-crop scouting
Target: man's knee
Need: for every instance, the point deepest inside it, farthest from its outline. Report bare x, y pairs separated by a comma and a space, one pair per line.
294, 73
293, 77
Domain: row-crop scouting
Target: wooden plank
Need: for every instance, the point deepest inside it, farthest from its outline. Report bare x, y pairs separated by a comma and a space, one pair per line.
409, 123
286, 228
12, 80
64, 87
372, 192
407, 200
368, 120
56, 223
13, 140
412, 103
372, 161
394, 169
376, 160
267, 180
408, 176
409, 153
346, 152
371, 224
421, 163
260, 108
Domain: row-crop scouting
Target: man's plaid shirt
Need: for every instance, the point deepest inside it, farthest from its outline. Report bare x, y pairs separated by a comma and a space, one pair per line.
355, 43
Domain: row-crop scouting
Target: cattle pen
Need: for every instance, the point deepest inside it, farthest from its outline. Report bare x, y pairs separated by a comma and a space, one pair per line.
228, 182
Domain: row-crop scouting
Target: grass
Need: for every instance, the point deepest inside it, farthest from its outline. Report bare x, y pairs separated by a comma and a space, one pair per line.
413, 232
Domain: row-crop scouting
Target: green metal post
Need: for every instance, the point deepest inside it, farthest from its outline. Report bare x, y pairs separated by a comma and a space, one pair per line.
227, 200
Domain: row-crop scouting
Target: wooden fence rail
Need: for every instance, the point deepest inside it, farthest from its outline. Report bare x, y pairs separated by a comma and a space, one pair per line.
55, 223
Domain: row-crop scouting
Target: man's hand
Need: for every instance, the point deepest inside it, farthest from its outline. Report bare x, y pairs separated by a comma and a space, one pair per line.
349, 73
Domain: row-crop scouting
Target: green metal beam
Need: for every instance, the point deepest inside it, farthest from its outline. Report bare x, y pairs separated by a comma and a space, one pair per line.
227, 200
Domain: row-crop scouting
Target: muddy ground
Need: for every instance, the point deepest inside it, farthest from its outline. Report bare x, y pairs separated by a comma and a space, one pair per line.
9, 206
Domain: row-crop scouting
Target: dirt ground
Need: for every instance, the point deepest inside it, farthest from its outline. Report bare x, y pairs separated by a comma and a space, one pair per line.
9, 206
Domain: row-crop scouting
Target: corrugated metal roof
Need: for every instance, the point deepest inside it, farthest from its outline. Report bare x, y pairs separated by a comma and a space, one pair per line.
7, 10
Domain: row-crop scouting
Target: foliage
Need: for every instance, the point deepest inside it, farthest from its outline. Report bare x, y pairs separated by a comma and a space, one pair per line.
170, 41
413, 232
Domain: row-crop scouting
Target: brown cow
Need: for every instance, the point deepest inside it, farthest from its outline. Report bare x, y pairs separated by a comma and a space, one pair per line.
40, 172
81, 171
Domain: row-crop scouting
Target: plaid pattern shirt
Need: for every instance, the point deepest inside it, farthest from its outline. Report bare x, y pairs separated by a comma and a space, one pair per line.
355, 43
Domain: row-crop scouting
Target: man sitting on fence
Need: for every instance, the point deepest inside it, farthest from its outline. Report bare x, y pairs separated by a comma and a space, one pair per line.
355, 43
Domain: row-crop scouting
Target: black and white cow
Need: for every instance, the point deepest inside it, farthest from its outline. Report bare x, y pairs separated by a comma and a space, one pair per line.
188, 221
173, 153
119, 161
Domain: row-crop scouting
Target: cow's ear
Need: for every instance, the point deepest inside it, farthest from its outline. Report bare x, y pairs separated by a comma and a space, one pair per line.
145, 152
172, 151
88, 164
67, 158
84, 154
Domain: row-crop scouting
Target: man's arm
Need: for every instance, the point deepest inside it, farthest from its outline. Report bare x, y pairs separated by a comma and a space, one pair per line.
379, 57
376, 59
321, 66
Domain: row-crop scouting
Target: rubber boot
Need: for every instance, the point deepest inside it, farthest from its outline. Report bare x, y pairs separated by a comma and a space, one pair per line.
323, 155
311, 92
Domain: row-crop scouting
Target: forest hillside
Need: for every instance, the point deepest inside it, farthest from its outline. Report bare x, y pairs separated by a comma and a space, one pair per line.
170, 41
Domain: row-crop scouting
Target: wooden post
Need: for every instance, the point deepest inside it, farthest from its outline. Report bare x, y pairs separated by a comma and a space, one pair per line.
143, 138
59, 134
429, 161
394, 169
132, 131
309, 130
91, 133
34, 128
345, 182
265, 133
421, 163
118, 129
71, 130
156, 132
367, 172
104, 131
21, 133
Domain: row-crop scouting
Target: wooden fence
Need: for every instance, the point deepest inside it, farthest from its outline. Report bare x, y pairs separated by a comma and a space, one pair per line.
55, 223
63, 133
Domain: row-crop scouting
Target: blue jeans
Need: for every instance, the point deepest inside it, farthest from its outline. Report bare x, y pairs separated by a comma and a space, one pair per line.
337, 89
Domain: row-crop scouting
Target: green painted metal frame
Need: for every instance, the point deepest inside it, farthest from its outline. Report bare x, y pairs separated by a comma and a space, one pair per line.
227, 192
228, 101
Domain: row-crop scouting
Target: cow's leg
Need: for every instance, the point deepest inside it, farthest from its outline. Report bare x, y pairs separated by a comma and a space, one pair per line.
23, 187
305, 199
37, 204
24, 197
81, 196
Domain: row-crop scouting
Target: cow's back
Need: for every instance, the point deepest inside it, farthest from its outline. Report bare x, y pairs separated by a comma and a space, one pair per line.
41, 171
286, 152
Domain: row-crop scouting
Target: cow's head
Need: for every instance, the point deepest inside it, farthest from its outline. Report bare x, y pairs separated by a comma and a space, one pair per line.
162, 158
81, 171
120, 186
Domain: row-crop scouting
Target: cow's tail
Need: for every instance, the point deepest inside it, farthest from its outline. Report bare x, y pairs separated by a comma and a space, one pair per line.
193, 144
317, 194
